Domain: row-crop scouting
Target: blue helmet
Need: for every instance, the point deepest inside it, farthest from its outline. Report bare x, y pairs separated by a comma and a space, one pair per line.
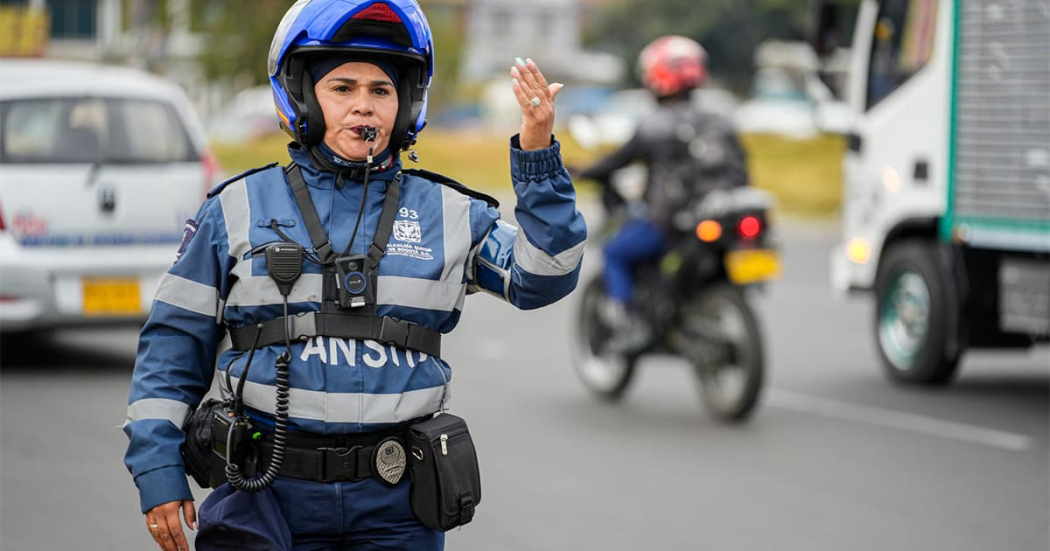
394, 31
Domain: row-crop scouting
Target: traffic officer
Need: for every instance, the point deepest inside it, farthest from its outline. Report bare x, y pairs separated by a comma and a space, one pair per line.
349, 79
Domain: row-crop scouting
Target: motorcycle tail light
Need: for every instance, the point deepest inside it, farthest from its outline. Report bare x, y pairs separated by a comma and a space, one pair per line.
749, 227
708, 231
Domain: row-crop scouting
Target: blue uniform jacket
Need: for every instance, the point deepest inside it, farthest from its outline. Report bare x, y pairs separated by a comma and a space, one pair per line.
443, 242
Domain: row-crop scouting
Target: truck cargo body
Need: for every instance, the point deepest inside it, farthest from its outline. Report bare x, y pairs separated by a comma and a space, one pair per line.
946, 214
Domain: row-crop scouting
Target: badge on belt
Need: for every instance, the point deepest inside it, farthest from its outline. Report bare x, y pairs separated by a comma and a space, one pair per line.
389, 460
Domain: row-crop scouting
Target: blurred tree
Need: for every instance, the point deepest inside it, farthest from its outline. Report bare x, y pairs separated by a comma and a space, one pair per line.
237, 37
446, 26
729, 29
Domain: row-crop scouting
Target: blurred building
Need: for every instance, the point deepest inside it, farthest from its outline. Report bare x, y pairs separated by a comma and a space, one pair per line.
147, 34
548, 31
108, 30
160, 36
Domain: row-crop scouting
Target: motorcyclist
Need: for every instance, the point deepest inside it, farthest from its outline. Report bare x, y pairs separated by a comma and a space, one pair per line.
349, 79
688, 152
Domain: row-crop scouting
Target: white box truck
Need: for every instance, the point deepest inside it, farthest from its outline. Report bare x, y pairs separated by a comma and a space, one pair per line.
946, 206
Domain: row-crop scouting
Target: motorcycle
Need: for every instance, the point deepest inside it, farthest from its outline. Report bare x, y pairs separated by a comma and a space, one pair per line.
694, 302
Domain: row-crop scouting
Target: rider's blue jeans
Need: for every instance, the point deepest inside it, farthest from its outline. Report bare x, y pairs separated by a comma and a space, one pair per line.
636, 242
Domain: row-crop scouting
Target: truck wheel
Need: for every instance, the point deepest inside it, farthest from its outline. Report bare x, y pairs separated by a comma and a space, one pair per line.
915, 306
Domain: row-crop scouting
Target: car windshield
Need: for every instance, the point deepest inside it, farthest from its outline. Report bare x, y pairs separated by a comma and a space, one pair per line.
92, 129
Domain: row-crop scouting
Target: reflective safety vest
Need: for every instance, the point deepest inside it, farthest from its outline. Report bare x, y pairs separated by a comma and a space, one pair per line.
444, 245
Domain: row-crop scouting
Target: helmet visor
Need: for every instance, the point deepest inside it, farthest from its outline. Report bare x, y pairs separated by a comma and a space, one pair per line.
281, 35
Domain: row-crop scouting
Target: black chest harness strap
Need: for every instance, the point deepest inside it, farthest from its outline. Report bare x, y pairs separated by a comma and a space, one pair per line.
358, 323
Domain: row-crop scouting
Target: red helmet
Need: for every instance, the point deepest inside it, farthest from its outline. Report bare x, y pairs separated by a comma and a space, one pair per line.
672, 64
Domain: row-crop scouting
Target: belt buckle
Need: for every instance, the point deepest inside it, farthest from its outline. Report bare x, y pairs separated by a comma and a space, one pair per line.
393, 331
338, 464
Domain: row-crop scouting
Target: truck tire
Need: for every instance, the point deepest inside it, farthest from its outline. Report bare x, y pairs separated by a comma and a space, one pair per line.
916, 313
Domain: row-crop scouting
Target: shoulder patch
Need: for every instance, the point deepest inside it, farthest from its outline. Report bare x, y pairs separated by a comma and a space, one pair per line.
446, 181
218, 189
188, 231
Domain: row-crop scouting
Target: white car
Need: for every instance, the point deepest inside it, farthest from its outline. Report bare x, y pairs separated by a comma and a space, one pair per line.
248, 116
100, 167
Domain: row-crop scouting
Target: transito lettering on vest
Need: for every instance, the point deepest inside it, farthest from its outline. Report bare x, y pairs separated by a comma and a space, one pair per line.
346, 346
314, 347
344, 352
378, 348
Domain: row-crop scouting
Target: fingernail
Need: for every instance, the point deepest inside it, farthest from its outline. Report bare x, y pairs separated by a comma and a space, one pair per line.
195, 526
514, 71
529, 60
519, 61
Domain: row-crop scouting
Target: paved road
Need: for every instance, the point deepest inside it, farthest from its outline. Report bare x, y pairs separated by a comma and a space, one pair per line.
836, 458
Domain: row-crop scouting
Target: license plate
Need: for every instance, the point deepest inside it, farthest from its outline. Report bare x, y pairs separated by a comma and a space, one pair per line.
746, 267
111, 296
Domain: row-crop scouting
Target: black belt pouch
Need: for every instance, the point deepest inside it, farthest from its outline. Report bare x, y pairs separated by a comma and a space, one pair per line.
197, 454
446, 481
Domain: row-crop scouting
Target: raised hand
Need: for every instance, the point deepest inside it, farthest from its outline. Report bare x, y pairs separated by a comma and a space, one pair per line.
536, 99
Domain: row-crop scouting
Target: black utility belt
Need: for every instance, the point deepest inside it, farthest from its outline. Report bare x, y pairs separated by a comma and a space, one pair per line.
347, 457
334, 464
381, 329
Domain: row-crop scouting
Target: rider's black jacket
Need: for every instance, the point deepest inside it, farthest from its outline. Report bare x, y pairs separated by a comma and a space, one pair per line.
688, 153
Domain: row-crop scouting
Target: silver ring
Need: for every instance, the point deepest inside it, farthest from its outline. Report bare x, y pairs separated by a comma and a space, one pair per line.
535, 101
154, 526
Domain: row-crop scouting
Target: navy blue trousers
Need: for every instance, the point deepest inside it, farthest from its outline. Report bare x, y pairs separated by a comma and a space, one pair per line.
361, 515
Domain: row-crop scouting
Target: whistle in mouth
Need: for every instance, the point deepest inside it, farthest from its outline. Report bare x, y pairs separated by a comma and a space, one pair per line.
367, 132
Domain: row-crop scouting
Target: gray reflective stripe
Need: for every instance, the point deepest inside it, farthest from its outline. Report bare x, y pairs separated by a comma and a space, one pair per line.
537, 262
188, 295
158, 408
236, 213
393, 291
461, 299
455, 212
419, 293
337, 407
261, 290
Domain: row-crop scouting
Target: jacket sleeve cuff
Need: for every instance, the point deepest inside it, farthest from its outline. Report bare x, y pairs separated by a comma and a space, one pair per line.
161, 486
535, 165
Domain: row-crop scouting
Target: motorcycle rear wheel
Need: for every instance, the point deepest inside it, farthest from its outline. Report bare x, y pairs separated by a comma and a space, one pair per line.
606, 374
730, 376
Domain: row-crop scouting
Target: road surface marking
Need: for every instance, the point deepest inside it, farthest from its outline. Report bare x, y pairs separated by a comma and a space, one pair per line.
882, 417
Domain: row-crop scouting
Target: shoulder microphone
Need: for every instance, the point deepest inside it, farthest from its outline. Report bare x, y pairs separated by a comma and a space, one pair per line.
284, 262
